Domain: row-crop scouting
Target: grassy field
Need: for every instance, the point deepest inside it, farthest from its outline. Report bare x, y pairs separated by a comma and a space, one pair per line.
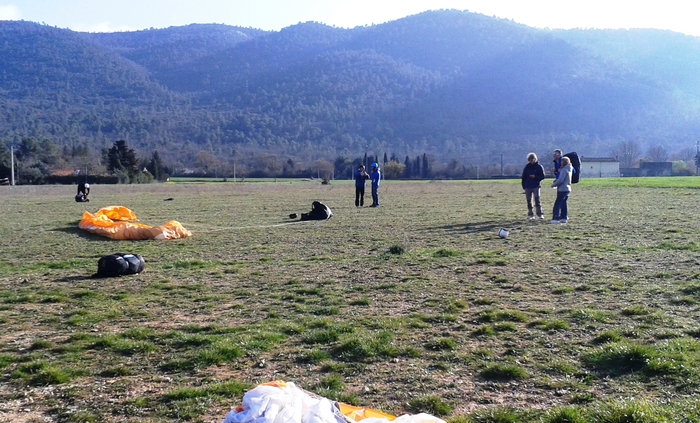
417, 306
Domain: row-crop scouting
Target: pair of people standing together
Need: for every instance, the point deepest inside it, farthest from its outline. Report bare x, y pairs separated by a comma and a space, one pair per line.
360, 177
533, 174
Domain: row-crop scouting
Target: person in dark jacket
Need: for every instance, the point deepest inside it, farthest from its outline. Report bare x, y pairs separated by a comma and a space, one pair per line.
84, 189
533, 174
360, 177
319, 211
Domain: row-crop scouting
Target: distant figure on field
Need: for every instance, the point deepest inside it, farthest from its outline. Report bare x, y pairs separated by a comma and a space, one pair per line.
83, 192
556, 158
533, 174
360, 177
84, 188
319, 211
376, 176
560, 212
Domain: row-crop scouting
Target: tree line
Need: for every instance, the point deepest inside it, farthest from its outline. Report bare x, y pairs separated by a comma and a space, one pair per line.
43, 161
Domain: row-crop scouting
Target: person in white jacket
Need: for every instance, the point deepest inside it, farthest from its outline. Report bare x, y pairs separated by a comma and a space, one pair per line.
560, 212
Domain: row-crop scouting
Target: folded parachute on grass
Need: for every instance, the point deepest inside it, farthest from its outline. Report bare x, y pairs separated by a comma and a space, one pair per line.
115, 222
284, 402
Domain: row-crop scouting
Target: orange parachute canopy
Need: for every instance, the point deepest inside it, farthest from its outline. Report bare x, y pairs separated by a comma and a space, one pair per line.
114, 223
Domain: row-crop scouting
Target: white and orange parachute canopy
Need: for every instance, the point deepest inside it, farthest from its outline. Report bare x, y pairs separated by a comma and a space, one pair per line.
116, 222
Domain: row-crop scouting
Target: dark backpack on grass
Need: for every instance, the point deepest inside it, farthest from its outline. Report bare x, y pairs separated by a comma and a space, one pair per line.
120, 264
576, 164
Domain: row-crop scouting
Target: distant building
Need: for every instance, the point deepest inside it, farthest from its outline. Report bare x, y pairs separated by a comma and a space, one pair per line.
655, 168
600, 167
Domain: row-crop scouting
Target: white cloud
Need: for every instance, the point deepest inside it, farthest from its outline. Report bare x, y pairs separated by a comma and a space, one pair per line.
101, 27
10, 13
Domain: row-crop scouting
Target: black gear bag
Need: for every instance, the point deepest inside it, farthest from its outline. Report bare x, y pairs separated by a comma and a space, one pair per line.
576, 164
120, 264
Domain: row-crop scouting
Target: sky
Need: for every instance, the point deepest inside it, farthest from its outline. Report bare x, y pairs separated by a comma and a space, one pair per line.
131, 15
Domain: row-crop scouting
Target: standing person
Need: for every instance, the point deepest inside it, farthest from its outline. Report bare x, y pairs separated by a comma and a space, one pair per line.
376, 176
556, 158
560, 212
533, 174
360, 177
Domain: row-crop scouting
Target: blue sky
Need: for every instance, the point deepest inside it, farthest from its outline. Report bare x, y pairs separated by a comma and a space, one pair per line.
129, 15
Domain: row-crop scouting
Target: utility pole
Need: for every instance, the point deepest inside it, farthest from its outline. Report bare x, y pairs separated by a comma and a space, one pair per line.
12, 160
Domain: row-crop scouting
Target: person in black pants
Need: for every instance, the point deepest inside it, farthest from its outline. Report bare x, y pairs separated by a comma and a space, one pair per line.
360, 177
533, 175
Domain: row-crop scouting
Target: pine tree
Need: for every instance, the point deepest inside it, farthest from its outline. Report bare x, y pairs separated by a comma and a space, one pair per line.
155, 166
122, 161
386, 159
426, 167
5, 167
407, 171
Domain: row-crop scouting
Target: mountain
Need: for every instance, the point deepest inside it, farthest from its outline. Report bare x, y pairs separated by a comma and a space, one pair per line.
41, 62
450, 83
669, 57
161, 50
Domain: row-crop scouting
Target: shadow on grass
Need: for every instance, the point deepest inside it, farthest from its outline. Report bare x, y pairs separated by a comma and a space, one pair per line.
73, 229
76, 278
479, 227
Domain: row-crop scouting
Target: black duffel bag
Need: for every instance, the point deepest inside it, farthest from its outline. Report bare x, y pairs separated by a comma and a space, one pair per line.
120, 264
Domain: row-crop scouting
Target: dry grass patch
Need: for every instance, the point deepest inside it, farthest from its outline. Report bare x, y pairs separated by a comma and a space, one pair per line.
391, 308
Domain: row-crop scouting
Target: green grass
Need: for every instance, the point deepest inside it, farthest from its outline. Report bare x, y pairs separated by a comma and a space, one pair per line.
671, 182
503, 372
549, 325
394, 308
447, 344
366, 348
430, 404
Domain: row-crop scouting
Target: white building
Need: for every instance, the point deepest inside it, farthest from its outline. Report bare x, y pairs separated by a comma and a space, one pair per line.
600, 167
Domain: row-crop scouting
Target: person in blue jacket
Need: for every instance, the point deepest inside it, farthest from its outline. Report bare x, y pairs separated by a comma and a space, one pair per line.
375, 176
360, 177
533, 175
556, 158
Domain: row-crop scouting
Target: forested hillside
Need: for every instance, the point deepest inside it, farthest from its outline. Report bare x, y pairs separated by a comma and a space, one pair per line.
463, 88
